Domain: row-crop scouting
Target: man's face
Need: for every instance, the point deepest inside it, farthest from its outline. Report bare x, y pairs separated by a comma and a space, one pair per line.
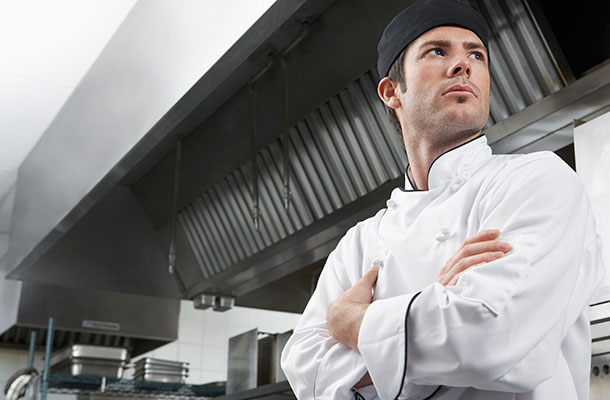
447, 85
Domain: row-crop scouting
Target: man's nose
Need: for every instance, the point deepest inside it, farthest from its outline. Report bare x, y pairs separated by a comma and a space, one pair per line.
460, 66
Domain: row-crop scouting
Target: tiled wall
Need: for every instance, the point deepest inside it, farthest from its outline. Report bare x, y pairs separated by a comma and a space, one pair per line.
203, 338
11, 361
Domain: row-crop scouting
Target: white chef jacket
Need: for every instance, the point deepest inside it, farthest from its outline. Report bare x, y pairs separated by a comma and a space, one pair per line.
513, 328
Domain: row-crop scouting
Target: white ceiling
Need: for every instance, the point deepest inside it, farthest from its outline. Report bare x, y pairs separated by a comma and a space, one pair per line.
46, 47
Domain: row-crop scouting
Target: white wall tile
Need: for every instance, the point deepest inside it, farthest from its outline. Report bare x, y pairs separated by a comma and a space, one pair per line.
208, 376
10, 361
240, 315
167, 352
189, 331
190, 353
187, 311
214, 358
234, 329
282, 322
216, 318
214, 334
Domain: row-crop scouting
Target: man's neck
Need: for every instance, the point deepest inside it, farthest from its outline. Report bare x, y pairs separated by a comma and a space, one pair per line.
422, 154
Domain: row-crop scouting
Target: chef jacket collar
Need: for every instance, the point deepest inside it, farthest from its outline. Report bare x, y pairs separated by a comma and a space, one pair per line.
459, 161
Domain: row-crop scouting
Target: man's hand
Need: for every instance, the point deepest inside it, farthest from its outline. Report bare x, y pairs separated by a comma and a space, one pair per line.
345, 315
477, 249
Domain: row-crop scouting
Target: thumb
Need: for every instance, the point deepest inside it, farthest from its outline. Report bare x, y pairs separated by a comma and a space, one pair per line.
370, 277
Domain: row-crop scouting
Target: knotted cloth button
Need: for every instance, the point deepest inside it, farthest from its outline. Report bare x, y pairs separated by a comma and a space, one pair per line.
443, 234
392, 204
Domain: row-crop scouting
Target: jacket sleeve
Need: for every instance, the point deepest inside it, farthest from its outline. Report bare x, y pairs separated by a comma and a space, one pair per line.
316, 365
501, 327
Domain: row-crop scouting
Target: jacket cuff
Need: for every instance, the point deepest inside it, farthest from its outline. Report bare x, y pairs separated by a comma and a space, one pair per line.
328, 384
382, 343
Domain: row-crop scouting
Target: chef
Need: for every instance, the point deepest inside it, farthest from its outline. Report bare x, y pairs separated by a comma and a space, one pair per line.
473, 283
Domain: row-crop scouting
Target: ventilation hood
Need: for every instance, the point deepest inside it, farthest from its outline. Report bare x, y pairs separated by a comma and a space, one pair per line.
109, 227
139, 323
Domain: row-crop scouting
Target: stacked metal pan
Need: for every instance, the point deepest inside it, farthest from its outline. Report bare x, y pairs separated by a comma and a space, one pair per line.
90, 360
152, 369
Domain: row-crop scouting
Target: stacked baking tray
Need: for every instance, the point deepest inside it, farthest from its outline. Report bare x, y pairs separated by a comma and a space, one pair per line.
153, 369
90, 360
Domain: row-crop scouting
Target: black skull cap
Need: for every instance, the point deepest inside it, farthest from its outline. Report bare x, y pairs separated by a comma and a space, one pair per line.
419, 18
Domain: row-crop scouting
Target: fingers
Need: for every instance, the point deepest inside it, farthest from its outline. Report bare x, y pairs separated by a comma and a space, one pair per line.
362, 291
478, 243
455, 279
489, 234
370, 278
479, 248
483, 247
450, 277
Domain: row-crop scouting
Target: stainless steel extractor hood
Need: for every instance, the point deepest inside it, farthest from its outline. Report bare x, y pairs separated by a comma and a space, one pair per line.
76, 222
343, 157
139, 323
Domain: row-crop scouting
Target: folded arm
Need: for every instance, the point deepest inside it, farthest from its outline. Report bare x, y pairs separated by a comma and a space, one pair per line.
303, 360
316, 365
501, 327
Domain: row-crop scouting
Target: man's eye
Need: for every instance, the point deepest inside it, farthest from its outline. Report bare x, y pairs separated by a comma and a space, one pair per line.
477, 56
436, 52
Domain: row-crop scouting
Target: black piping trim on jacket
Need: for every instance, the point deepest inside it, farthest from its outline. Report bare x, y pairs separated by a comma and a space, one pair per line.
409, 179
404, 371
434, 393
430, 169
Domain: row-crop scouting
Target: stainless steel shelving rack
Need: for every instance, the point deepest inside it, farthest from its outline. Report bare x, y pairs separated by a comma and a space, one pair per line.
97, 386
114, 387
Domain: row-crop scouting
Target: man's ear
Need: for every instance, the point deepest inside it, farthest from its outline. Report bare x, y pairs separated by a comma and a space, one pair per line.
388, 93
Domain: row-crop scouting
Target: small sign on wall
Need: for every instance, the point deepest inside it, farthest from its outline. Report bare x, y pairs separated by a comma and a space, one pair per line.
101, 325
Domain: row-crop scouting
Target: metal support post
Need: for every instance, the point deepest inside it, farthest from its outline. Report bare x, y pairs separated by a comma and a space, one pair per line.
32, 349
47, 359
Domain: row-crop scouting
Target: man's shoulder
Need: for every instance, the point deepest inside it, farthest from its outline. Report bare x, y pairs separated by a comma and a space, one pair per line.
533, 171
544, 165
358, 232
347, 257
530, 160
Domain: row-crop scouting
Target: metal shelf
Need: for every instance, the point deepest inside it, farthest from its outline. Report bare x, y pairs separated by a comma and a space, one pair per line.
96, 386
114, 387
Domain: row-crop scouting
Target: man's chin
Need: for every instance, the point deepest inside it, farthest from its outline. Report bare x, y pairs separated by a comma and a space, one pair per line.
467, 118
458, 130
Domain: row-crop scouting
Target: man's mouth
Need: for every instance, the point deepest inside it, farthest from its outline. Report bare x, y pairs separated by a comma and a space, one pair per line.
460, 90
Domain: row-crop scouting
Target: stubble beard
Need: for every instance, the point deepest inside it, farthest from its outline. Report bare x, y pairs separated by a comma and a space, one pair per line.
442, 129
